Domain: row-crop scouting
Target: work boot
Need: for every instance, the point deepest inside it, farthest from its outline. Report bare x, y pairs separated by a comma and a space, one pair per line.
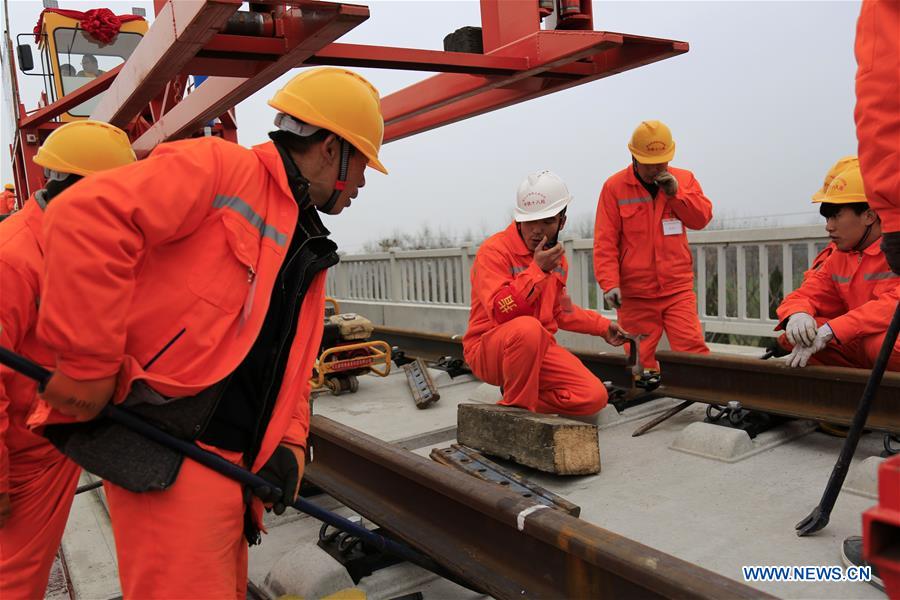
852, 556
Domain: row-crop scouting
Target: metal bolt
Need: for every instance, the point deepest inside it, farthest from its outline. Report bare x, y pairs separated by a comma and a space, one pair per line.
734, 405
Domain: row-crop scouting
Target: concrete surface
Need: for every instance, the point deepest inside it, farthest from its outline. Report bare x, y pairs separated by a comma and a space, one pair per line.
718, 515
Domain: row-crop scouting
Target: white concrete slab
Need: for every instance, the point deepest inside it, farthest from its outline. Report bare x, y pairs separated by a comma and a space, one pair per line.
384, 407
862, 479
731, 445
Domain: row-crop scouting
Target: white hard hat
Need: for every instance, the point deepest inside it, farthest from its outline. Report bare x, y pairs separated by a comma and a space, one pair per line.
541, 195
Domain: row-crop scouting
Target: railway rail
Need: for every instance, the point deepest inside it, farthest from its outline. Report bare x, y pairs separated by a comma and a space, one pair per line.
818, 393
493, 539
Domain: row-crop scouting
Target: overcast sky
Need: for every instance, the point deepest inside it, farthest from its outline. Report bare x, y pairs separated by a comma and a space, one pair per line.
760, 107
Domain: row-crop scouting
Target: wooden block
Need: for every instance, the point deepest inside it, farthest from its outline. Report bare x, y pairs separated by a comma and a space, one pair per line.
545, 442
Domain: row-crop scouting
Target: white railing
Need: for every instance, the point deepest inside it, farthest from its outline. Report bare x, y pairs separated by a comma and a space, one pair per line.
740, 275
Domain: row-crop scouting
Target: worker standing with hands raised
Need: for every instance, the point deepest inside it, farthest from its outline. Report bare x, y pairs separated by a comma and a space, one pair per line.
641, 256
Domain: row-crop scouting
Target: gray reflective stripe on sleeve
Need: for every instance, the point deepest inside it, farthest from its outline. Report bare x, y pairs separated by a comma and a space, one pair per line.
517, 270
625, 201
839, 279
244, 209
876, 276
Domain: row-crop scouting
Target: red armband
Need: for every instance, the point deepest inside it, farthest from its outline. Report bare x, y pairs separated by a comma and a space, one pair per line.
508, 305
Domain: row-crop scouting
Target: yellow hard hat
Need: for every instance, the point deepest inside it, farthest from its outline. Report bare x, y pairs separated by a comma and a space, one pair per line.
652, 143
841, 165
845, 188
9, 186
340, 101
85, 147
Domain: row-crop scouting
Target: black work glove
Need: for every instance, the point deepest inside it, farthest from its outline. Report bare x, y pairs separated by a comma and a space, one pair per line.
890, 245
282, 470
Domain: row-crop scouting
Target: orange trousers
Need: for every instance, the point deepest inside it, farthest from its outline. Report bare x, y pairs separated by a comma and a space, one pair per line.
535, 373
183, 542
41, 495
675, 314
859, 353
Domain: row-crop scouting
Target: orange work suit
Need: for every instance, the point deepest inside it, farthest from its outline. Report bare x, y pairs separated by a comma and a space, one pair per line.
641, 247
878, 107
178, 255
516, 310
861, 289
39, 480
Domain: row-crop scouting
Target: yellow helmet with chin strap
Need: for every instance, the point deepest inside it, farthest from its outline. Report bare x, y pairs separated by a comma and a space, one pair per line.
837, 168
340, 101
85, 147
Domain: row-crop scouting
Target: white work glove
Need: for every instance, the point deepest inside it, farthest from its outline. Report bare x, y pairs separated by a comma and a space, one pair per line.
667, 182
613, 297
800, 329
801, 354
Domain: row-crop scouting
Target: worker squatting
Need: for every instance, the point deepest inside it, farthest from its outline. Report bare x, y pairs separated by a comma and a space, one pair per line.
201, 307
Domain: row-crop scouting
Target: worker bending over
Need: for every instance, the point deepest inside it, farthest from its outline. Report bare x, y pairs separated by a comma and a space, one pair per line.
855, 283
191, 286
878, 115
519, 301
641, 256
37, 483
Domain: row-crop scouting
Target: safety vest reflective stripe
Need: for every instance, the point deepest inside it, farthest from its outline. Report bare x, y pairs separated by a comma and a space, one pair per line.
244, 209
877, 276
839, 279
625, 201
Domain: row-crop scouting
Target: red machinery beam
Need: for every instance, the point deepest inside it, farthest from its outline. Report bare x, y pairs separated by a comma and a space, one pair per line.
70, 100
546, 49
180, 30
307, 31
447, 98
412, 59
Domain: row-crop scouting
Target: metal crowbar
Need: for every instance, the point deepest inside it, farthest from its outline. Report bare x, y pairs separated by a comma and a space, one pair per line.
122, 416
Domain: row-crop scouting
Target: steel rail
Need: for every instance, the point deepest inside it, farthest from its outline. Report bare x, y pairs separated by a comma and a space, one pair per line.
820, 393
493, 538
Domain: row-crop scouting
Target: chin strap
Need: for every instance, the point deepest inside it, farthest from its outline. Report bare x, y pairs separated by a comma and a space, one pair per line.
862, 240
341, 183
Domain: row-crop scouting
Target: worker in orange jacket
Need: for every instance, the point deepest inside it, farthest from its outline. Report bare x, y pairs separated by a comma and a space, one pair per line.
836, 169
37, 483
519, 301
8, 203
205, 268
641, 256
855, 283
878, 115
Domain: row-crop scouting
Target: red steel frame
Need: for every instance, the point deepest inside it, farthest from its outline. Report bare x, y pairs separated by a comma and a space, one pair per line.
520, 62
